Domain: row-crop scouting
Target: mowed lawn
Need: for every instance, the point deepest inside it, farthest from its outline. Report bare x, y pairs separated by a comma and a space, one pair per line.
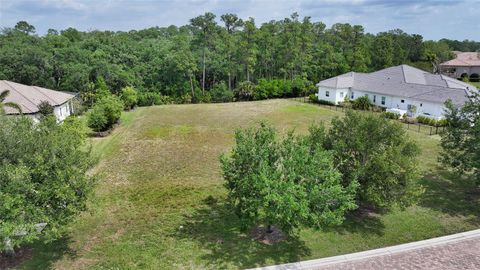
159, 201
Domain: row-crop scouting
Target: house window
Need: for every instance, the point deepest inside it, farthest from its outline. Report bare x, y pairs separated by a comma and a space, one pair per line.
352, 96
402, 101
421, 104
374, 98
327, 93
383, 100
341, 94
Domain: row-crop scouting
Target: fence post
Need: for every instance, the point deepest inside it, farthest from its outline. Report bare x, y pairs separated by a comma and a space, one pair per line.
418, 128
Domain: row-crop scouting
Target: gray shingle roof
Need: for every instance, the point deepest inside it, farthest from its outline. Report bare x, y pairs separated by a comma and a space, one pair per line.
404, 81
29, 97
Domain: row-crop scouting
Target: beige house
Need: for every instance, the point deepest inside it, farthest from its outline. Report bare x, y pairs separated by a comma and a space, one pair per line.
464, 64
30, 97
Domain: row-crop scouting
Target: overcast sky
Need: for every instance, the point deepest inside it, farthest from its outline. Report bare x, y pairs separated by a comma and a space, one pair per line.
434, 19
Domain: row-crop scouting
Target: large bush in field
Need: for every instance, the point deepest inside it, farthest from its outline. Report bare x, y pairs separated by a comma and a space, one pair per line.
42, 178
129, 97
377, 153
105, 113
289, 182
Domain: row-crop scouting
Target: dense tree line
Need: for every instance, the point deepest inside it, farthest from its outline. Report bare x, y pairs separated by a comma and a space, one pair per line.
208, 56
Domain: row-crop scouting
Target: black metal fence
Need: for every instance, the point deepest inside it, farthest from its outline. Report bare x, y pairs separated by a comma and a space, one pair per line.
416, 127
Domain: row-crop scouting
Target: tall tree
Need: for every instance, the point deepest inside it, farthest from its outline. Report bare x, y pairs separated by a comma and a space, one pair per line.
25, 27
232, 25
205, 24
248, 47
383, 51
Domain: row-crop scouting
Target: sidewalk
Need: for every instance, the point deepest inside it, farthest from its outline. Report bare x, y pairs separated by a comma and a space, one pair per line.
457, 251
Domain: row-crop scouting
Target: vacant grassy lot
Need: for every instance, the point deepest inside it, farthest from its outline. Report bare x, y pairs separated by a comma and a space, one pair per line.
158, 168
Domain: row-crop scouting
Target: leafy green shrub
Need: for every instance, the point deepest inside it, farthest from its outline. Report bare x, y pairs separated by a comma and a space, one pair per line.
325, 102
129, 97
442, 123
289, 182
314, 99
45, 109
221, 93
105, 113
96, 119
152, 98
148, 98
245, 91
274, 88
184, 99
205, 98
42, 178
391, 115
431, 122
362, 103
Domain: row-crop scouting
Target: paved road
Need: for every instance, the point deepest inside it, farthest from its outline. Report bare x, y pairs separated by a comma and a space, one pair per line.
459, 255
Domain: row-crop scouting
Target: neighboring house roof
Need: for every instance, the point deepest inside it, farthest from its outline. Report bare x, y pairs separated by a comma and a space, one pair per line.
404, 81
464, 59
29, 97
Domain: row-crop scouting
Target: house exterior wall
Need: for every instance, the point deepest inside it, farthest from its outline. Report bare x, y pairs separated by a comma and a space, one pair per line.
63, 111
334, 95
457, 71
424, 108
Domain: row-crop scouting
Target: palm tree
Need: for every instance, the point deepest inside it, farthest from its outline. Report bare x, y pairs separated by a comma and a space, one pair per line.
3, 96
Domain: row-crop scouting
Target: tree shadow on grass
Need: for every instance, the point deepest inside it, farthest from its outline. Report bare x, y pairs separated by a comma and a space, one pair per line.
216, 228
364, 220
452, 194
43, 256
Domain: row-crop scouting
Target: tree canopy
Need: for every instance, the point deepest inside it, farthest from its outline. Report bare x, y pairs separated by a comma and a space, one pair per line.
187, 62
461, 138
288, 182
43, 180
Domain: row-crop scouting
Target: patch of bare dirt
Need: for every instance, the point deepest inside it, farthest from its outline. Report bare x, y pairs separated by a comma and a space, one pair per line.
21, 255
260, 233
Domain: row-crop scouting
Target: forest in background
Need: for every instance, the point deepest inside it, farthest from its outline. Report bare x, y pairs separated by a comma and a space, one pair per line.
210, 56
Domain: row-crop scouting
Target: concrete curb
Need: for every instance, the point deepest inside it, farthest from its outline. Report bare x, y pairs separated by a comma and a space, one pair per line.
311, 264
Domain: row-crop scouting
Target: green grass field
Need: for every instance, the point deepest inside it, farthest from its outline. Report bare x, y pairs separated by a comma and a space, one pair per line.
476, 84
159, 166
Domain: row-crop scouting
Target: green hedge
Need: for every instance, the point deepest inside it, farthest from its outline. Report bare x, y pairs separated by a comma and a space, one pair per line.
391, 115
431, 122
314, 99
152, 98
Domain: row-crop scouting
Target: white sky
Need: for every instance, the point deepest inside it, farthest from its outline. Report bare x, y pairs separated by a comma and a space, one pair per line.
434, 19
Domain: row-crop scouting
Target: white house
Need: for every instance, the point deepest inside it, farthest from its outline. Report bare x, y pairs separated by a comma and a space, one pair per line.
400, 87
30, 97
